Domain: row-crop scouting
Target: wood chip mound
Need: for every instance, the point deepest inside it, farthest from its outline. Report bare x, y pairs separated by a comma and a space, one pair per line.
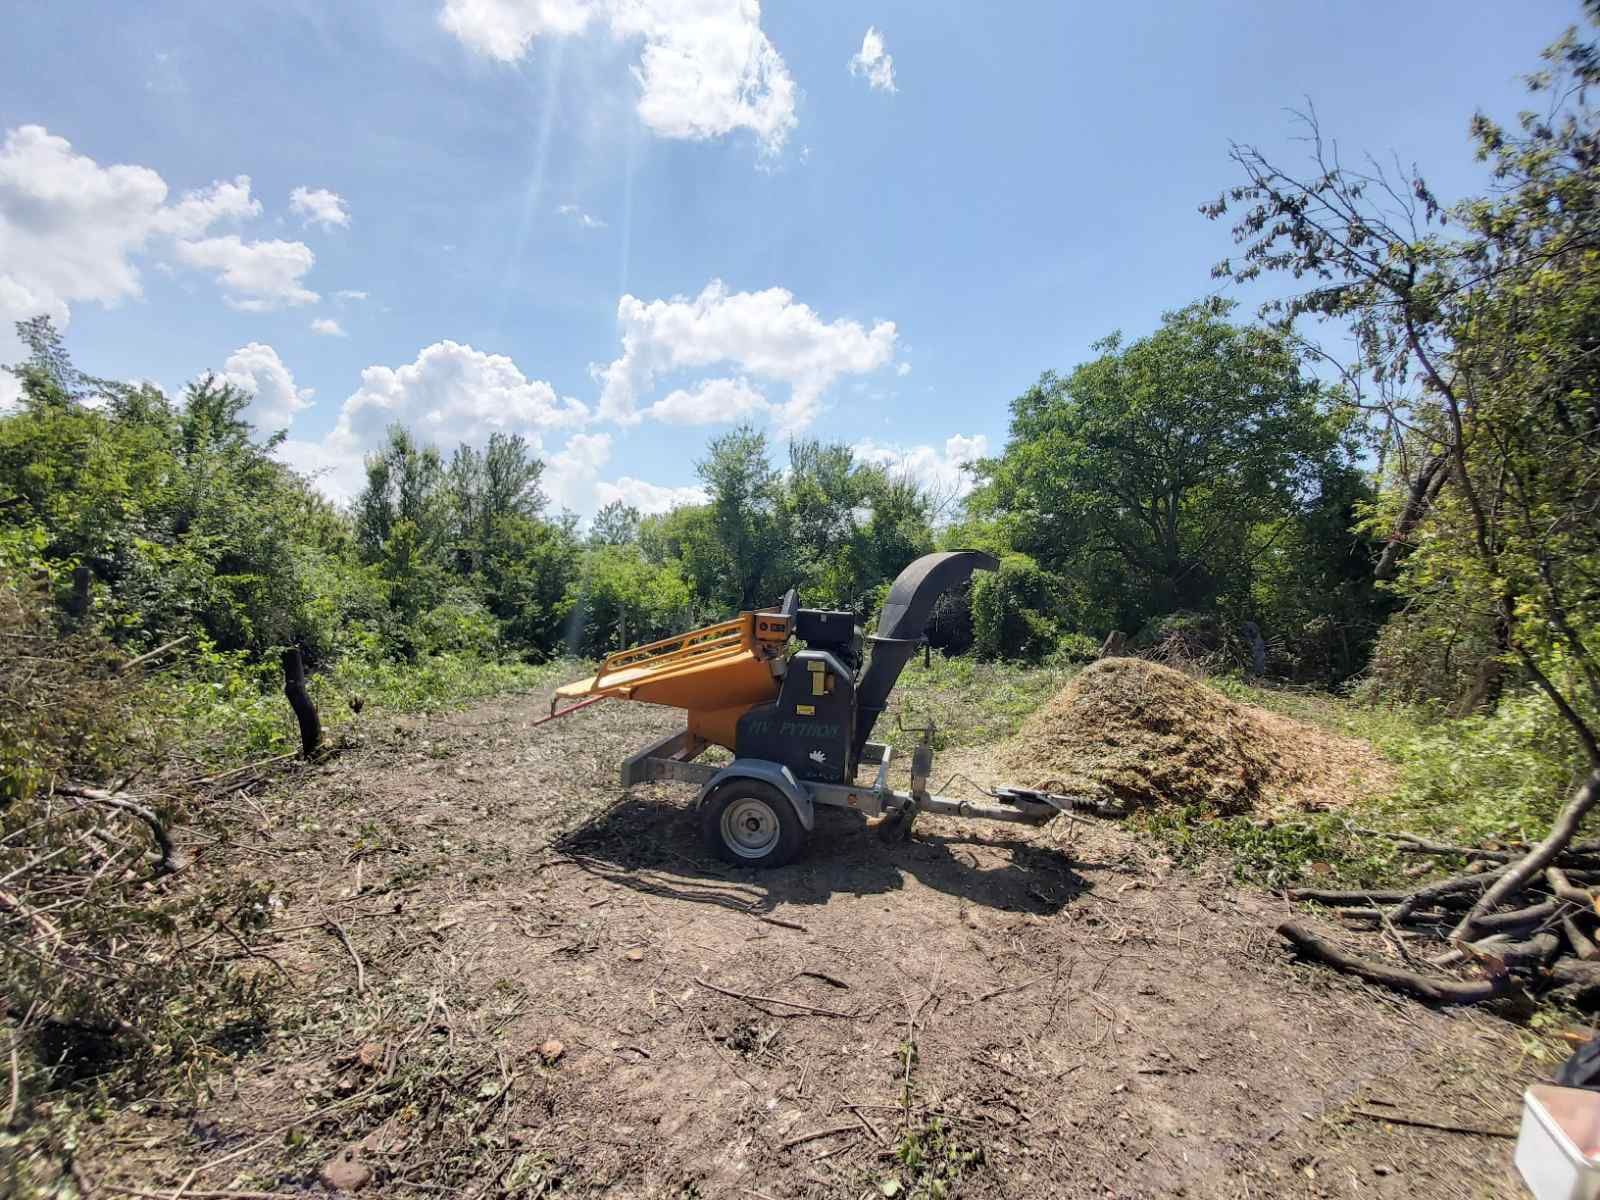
1145, 735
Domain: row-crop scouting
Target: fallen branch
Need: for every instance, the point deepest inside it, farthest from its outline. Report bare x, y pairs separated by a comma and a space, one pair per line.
751, 999
1437, 991
1537, 859
1582, 945
169, 858
1434, 892
1567, 890
152, 654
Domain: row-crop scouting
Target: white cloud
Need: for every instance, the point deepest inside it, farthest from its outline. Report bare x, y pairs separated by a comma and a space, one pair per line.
646, 497
903, 370
328, 327
449, 394
201, 209
941, 470
710, 402
257, 369
349, 294
874, 62
583, 219
256, 276
319, 206
71, 229
765, 334
705, 69
569, 475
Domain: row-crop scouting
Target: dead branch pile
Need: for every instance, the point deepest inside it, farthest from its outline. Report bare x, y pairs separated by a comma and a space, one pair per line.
1144, 735
107, 966
1518, 920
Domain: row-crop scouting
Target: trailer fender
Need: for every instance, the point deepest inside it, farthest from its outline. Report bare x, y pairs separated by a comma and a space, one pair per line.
778, 775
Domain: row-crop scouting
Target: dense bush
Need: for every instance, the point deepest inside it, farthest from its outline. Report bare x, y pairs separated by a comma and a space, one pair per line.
1015, 610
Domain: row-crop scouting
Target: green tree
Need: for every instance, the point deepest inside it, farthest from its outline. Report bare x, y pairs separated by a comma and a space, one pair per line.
1150, 467
1481, 341
745, 509
617, 524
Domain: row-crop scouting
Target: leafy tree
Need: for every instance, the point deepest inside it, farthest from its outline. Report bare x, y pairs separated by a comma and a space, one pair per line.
1481, 340
1150, 467
745, 507
617, 524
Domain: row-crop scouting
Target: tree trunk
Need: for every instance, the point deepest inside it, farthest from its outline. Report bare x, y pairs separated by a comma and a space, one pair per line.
305, 712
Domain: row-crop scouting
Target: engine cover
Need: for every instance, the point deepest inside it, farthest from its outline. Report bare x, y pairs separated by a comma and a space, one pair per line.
809, 728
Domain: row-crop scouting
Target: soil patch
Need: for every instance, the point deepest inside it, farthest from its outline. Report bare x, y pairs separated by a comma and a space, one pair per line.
561, 995
1146, 735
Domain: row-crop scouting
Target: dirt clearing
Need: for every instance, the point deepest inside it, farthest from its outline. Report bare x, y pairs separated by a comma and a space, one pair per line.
511, 979
1144, 735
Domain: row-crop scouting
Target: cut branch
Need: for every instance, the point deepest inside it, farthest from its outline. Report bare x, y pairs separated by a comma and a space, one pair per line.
1436, 991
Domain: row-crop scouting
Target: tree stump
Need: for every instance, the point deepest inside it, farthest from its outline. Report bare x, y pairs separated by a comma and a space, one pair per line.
305, 712
1116, 642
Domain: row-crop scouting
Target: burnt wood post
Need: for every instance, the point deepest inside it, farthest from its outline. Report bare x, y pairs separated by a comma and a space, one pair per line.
305, 712
77, 604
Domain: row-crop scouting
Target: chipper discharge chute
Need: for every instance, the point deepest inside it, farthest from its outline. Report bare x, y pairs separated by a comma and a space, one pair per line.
798, 723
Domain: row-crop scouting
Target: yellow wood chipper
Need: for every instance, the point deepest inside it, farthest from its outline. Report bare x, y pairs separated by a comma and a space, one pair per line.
797, 720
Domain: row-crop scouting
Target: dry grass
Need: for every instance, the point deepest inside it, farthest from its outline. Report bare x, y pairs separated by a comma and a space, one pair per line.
1146, 735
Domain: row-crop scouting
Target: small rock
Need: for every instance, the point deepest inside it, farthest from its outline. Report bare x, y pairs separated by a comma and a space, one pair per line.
635, 955
370, 1054
551, 1050
1383, 1169
344, 1172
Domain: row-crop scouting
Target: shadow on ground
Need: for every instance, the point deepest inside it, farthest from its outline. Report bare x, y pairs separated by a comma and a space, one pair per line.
652, 845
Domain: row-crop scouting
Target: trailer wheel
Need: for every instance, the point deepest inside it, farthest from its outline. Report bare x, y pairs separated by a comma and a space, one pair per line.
752, 824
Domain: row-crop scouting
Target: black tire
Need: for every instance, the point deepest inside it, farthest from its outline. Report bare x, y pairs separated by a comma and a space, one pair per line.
751, 824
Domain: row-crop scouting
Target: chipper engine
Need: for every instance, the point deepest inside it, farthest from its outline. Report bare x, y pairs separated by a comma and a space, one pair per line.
798, 721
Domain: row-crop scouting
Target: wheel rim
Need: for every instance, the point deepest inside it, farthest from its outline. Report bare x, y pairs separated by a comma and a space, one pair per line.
750, 827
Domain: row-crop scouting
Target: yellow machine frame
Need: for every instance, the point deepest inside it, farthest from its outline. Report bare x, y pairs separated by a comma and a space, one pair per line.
716, 673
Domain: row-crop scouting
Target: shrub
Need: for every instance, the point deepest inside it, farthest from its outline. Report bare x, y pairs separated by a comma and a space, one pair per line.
1015, 610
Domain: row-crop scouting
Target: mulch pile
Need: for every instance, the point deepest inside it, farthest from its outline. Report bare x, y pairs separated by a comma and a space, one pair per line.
1146, 735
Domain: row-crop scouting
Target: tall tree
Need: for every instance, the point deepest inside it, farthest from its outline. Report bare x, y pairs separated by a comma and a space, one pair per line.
1487, 339
1162, 457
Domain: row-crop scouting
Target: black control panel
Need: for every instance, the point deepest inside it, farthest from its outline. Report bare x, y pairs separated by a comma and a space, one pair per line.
809, 728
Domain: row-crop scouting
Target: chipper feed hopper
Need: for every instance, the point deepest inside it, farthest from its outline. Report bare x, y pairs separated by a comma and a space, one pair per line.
797, 720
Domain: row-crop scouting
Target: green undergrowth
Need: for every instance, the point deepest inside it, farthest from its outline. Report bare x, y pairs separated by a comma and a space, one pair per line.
222, 709
970, 702
1472, 781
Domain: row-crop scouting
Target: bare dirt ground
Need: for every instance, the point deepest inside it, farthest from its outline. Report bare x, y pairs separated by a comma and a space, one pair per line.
976, 1012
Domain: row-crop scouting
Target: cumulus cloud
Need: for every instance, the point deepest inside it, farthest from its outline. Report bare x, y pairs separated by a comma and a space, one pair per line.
254, 276
71, 230
767, 335
903, 370
582, 219
941, 470
646, 497
874, 62
328, 327
450, 393
569, 475
319, 206
710, 402
705, 67
257, 369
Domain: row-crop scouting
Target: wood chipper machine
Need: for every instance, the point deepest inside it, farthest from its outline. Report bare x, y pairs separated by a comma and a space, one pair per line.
785, 690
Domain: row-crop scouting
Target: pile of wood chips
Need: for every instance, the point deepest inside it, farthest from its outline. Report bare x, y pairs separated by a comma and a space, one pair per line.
1144, 735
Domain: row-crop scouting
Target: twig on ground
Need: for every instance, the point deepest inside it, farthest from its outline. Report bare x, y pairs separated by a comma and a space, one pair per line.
1418, 1123
1015, 987
750, 998
825, 978
817, 1136
780, 923
339, 932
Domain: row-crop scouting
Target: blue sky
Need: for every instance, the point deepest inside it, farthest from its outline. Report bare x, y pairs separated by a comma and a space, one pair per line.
617, 225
